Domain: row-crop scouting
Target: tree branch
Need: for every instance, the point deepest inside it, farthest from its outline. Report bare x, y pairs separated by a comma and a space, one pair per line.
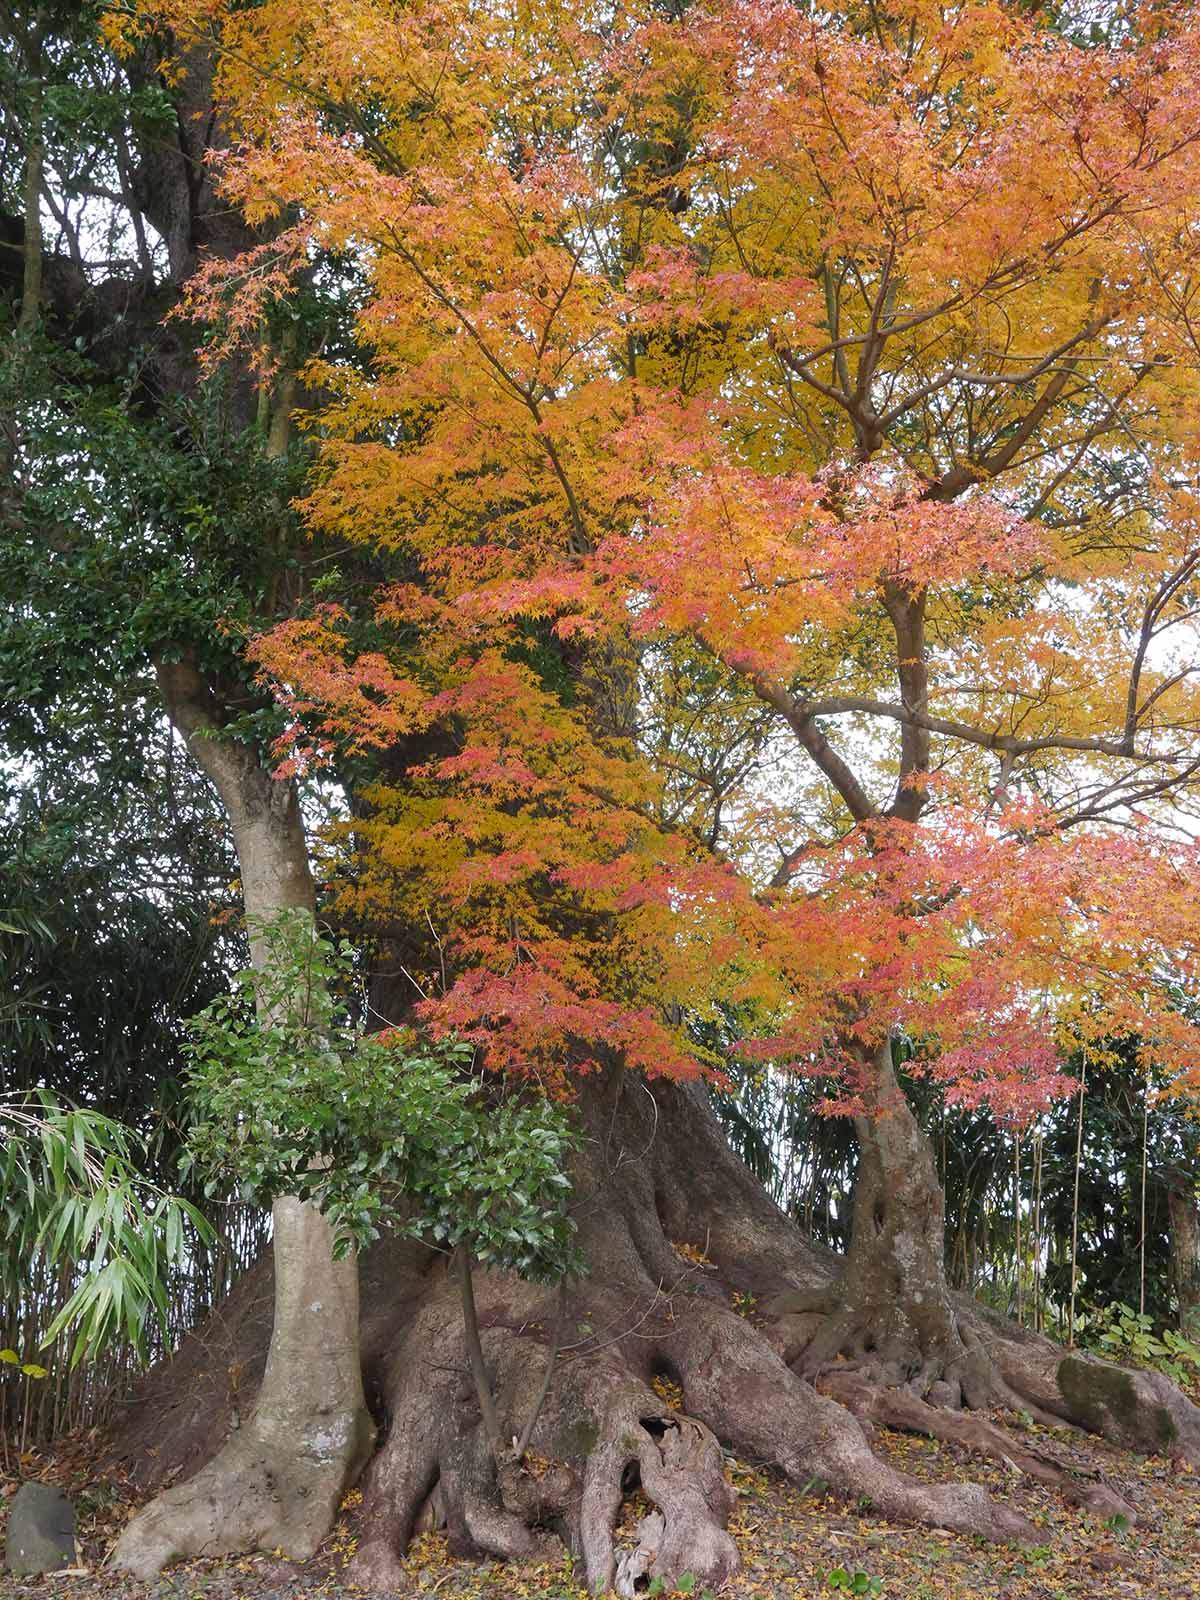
802, 721
841, 705
907, 614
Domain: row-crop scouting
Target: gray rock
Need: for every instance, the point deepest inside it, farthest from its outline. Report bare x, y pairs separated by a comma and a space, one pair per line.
41, 1530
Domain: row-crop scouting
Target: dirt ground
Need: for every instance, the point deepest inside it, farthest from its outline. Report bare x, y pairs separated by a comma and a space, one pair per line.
794, 1544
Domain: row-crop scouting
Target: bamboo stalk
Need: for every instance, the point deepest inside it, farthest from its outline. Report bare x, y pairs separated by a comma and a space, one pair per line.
1075, 1209
1142, 1239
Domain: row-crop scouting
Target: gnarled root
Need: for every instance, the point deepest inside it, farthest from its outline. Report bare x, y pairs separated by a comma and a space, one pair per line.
434, 1468
1132, 1408
602, 1431
678, 1464
605, 1430
250, 1496
978, 1361
902, 1410
654, 1367
945, 1362
746, 1394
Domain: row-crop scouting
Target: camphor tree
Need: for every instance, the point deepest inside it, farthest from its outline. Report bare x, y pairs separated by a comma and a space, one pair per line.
142, 511
756, 334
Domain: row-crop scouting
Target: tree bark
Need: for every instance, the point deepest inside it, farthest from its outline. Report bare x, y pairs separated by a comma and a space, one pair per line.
895, 1270
277, 1480
895, 1317
31, 278
895, 1314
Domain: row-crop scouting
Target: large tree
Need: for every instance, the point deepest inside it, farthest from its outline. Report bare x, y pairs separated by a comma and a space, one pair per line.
973, 621
147, 513
754, 337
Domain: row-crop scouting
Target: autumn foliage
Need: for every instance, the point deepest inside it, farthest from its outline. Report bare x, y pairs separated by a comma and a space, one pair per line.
845, 364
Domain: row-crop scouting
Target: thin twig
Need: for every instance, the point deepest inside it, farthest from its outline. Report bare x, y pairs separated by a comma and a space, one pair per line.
522, 1444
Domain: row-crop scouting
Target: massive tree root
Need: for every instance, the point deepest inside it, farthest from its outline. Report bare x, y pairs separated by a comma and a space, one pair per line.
250, 1496
915, 1351
277, 1479
601, 1431
902, 1410
696, 1330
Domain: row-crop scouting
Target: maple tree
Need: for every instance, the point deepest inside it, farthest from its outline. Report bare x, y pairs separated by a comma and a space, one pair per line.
751, 343
958, 350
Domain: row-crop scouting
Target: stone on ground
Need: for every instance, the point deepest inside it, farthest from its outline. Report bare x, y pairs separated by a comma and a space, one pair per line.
41, 1530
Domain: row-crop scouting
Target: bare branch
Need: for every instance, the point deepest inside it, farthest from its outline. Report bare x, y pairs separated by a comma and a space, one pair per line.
802, 722
841, 705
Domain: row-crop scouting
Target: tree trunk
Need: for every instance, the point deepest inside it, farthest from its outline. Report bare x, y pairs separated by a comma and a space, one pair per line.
689, 1334
277, 1479
895, 1314
1185, 1255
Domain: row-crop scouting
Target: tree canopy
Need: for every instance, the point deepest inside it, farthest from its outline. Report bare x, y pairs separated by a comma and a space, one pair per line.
749, 337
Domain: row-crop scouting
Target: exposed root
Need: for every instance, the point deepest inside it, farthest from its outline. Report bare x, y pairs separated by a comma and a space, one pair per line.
678, 1464
601, 1430
1134, 1409
658, 1177
981, 1362
434, 1464
903, 1410
748, 1397
249, 1497
951, 1368
605, 1430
